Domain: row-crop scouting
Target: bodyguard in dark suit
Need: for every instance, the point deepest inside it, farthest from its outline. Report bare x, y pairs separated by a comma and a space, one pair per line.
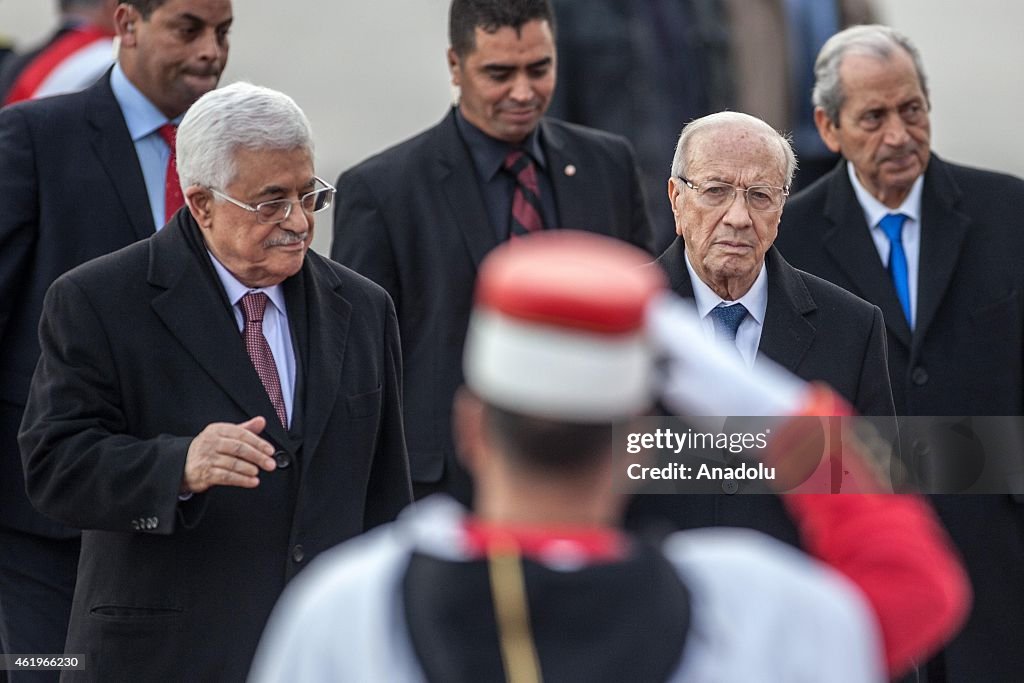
937, 246
214, 406
418, 218
729, 183
81, 175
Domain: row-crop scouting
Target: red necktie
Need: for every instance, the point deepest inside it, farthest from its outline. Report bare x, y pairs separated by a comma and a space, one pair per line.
526, 208
253, 306
173, 199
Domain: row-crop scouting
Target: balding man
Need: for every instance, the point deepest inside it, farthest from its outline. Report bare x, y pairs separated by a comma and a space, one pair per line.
730, 178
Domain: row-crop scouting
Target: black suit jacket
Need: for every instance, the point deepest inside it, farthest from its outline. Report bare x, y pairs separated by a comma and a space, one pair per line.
964, 357
72, 190
140, 352
814, 329
818, 332
413, 219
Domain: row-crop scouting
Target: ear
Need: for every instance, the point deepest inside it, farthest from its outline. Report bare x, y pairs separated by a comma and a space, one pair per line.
827, 130
673, 193
454, 67
200, 205
674, 185
468, 430
125, 18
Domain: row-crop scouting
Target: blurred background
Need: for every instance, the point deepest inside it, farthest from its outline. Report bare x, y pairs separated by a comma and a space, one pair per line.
370, 74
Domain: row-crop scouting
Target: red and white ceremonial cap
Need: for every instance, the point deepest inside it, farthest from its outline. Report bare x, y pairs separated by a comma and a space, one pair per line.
557, 329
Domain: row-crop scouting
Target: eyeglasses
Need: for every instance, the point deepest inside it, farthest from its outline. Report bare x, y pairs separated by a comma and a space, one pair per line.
714, 194
278, 210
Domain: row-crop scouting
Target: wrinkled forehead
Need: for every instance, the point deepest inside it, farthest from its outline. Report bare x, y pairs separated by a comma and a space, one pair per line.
738, 148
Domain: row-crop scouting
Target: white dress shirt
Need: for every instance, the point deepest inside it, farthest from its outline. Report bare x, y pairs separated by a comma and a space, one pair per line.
748, 335
875, 211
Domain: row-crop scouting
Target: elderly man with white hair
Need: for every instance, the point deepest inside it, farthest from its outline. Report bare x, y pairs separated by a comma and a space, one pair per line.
730, 181
213, 406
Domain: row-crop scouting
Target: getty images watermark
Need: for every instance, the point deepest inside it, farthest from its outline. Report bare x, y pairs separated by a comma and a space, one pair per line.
753, 455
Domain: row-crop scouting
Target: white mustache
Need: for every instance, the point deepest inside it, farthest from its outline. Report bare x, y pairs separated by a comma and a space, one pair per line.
286, 239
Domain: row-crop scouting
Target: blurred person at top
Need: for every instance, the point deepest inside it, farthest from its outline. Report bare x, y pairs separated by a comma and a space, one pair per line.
72, 58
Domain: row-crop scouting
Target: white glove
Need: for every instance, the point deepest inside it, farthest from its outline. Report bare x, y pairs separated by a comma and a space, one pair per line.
701, 378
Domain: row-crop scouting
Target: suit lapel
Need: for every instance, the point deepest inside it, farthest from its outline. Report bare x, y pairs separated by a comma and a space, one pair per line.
943, 230
116, 153
673, 262
787, 334
196, 311
847, 240
323, 341
570, 209
455, 174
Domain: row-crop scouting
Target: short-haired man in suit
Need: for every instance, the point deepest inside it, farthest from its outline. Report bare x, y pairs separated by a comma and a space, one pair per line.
937, 246
419, 217
213, 406
82, 175
730, 178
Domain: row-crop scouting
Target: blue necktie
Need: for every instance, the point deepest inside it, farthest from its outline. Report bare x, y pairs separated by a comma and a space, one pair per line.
892, 226
727, 319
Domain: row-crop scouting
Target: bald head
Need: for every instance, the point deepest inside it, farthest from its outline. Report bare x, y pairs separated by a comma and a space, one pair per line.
726, 233
742, 128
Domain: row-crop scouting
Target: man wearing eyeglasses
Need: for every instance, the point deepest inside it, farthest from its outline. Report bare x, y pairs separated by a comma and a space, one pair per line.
730, 178
938, 247
213, 406
82, 175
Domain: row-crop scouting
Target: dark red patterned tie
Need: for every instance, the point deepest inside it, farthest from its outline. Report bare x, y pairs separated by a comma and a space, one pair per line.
253, 306
526, 208
173, 199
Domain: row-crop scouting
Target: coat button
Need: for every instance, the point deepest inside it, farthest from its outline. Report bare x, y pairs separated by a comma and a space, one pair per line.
298, 554
920, 447
283, 459
919, 376
730, 487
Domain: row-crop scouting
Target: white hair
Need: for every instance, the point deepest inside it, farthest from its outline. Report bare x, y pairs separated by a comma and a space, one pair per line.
871, 39
237, 116
725, 118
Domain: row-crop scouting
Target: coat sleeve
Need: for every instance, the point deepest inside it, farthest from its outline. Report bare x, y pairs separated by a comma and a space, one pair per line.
361, 240
390, 487
19, 220
81, 468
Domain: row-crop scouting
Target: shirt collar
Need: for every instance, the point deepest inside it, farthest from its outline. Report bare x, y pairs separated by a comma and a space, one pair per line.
141, 115
236, 290
489, 153
874, 210
755, 300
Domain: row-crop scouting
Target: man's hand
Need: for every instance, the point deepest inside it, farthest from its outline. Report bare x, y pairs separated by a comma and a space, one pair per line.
227, 454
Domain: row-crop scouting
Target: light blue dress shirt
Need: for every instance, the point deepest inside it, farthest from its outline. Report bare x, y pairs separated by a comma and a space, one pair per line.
143, 120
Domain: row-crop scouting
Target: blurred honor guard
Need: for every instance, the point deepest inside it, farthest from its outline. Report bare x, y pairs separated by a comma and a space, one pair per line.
557, 355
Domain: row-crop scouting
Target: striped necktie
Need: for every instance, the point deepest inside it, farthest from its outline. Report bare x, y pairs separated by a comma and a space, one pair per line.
526, 207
